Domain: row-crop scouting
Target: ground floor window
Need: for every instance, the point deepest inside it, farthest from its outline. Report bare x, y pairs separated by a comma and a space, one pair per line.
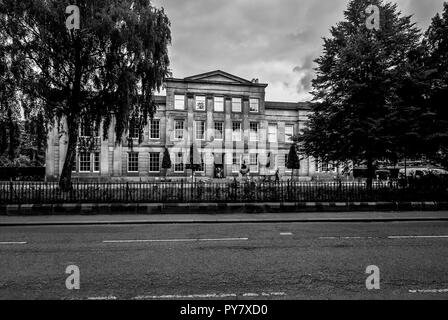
86, 162
178, 162
133, 162
253, 162
202, 167
236, 162
154, 162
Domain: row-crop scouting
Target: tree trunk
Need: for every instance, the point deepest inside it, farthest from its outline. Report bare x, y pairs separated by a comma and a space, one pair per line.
65, 180
370, 173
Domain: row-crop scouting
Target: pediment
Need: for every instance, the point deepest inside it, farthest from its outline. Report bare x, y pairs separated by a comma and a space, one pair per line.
218, 76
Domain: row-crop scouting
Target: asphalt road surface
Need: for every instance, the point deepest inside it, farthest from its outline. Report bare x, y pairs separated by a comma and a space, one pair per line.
226, 261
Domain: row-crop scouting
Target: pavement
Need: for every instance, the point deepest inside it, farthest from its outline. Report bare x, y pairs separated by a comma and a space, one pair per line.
222, 208
236, 261
194, 218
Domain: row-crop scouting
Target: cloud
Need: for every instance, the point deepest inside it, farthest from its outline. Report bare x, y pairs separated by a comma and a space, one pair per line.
275, 41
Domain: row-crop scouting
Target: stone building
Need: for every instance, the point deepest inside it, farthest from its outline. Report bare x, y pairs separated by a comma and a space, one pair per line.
225, 118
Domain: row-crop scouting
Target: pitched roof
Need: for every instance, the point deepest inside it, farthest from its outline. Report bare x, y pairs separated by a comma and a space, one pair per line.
219, 77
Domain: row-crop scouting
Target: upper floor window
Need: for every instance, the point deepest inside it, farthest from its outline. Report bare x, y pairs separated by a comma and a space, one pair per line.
219, 131
179, 102
154, 129
88, 130
178, 129
289, 133
254, 105
200, 130
219, 104
236, 131
272, 132
236, 104
134, 130
200, 103
253, 133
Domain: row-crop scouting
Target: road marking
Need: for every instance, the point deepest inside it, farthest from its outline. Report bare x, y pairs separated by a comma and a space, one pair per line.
14, 242
207, 295
345, 238
417, 237
102, 298
286, 233
429, 291
175, 240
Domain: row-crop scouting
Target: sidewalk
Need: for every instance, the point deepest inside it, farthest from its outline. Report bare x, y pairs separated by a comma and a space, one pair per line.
221, 208
303, 217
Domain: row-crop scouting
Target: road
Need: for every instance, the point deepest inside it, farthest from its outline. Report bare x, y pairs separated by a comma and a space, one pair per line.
226, 261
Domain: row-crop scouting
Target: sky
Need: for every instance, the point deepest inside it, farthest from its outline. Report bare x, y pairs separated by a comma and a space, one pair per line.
275, 41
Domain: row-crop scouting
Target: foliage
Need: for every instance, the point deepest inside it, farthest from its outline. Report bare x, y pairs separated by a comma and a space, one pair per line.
106, 72
357, 116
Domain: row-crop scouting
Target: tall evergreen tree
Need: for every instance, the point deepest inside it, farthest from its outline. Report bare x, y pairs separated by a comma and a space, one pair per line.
436, 64
357, 88
108, 69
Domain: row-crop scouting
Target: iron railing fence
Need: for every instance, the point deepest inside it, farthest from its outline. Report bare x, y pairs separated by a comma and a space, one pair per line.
218, 192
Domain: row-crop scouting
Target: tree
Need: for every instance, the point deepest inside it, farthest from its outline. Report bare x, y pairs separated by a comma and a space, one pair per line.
166, 161
356, 89
104, 73
293, 159
436, 64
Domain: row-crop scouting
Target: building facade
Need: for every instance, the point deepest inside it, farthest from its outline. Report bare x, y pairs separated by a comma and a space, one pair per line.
225, 117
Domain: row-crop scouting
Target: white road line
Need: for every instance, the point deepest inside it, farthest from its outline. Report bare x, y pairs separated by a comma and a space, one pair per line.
14, 242
286, 233
429, 291
102, 298
417, 237
345, 238
174, 240
207, 295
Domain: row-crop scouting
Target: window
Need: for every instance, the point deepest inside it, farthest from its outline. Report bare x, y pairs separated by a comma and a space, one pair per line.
154, 129
88, 162
316, 165
84, 162
254, 105
325, 166
253, 162
179, 102
134, 130
289, 133
178, 129
219, 104
178, 162
133, 162
236, 104
219, 132
96, 162
253, 133
200, 130
236, 162
154, 162
236, 131
272, 133
200, 103
86, 130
